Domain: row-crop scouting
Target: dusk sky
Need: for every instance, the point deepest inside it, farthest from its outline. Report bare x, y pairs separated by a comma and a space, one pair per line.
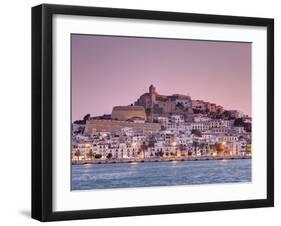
109, 71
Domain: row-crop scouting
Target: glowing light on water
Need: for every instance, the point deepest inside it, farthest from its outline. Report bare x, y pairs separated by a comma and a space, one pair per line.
101, 176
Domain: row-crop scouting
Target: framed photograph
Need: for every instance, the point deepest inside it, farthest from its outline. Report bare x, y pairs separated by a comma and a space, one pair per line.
140, 112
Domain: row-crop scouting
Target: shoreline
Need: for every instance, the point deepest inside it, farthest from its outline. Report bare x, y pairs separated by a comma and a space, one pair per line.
151, 160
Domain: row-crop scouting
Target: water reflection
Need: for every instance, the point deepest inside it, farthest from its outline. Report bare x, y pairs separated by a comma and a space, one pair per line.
134, 174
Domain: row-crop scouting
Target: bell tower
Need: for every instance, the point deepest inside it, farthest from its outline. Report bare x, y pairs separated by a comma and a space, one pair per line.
152, 89
152, 100
152, 95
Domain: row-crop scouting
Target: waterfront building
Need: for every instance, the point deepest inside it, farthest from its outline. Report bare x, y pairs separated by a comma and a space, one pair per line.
242, 146
81, 150
249, 149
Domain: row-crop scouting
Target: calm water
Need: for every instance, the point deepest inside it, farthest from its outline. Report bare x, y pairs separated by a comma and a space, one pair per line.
124, 175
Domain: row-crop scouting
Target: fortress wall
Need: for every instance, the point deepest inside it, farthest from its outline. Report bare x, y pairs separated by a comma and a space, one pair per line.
125, 115
116, 126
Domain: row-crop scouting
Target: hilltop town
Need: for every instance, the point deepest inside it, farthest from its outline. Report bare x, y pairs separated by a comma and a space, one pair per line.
162, 128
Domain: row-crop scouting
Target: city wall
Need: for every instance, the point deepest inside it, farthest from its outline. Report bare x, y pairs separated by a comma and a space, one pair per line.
116, 126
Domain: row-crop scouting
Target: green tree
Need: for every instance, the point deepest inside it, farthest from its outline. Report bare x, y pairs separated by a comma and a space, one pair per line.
143, 148
195, 145
162, 128
78, 154
203, 146
98, 156
239, 122
90, 154
196, 132
109, 156
182, 147
151, 143
220, 148
86, 117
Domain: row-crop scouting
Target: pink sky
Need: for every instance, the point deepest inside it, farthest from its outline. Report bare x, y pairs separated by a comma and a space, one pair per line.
109, 71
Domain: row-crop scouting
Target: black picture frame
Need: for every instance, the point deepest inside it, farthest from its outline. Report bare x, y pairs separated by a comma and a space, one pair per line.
42, 196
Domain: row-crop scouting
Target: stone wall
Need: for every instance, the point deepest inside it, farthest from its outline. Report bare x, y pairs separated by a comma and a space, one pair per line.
116, 126
123, 113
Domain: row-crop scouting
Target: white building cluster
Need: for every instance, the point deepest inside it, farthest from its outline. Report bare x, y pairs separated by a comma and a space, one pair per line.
177, 138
